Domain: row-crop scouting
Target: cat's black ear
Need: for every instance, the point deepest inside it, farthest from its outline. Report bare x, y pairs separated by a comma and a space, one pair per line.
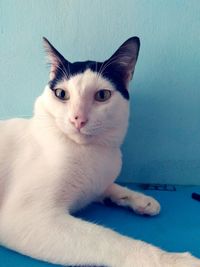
125, 58
56, 60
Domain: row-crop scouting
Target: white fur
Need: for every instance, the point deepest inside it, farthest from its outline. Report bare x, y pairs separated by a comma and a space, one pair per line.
48, 169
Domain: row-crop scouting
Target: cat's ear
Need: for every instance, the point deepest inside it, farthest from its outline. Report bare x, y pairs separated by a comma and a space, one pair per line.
125, 58
56, 60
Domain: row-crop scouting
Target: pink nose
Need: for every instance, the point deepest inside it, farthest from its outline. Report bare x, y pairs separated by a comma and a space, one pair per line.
78, 122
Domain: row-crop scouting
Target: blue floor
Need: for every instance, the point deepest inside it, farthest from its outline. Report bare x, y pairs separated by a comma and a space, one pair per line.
177, 228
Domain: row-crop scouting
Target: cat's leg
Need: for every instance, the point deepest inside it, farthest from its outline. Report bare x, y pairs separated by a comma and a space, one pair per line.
138, 202
65, 240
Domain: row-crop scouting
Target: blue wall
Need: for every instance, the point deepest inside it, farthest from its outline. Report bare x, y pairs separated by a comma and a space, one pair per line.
163, 142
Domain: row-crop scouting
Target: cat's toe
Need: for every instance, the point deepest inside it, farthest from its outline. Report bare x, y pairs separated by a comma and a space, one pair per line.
146, 205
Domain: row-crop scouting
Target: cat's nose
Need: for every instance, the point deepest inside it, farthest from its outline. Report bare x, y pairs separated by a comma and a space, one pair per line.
78, 121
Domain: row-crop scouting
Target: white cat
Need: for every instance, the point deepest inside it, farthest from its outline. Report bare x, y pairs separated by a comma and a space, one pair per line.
67, 155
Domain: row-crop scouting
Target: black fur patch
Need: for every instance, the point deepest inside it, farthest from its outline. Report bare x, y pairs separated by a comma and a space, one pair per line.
114, 75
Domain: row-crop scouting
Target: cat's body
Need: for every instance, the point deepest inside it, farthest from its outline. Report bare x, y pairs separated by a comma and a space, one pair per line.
64, 157
85, 164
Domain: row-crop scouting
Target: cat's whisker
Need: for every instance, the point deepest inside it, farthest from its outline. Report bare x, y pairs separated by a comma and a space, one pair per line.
108, 63
96, 66
99, 72
68, 68
105, 64
67, 73
63, 71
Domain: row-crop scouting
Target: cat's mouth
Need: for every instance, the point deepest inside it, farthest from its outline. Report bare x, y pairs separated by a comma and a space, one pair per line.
88, 133
82, 132
85, 132
81, 137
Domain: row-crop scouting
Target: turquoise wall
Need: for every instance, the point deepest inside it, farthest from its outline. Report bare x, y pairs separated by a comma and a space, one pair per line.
163, 142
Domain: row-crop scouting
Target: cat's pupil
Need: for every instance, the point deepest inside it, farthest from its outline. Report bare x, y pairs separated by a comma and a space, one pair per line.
62, 94
102, 95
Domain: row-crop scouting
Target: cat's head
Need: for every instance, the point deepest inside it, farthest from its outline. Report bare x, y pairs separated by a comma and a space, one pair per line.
89, 100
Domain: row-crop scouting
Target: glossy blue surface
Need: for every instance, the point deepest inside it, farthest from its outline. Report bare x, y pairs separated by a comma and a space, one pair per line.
177, 228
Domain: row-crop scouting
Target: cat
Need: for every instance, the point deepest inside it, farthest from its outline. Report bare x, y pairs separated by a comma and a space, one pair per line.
68, 155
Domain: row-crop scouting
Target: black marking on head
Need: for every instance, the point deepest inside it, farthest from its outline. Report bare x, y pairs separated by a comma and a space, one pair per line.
118, 69
67, 69
115, 77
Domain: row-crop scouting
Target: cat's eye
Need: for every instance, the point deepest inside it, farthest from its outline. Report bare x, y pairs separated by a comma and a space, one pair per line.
62, 94
102, 95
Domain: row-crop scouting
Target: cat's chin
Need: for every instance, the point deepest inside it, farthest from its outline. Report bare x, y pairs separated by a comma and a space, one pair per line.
81, 139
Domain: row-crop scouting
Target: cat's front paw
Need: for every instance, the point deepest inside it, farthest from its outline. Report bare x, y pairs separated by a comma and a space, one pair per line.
145, 255
145, 205
179, 260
